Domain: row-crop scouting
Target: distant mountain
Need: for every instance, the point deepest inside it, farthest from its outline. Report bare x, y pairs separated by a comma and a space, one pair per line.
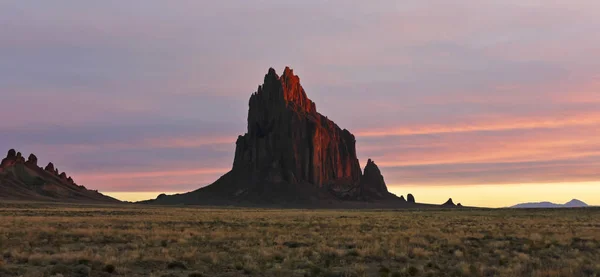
571, 204
22, 179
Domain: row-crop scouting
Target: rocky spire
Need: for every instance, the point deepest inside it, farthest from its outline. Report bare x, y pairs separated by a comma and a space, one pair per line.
32, 160
449, 203
372, 180
288, 141
19, 158
410, 198
10, 158
49, 167
293, 93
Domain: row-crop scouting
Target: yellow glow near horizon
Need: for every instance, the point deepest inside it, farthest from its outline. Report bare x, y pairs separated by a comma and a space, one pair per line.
502, 195
137, 195
485, 195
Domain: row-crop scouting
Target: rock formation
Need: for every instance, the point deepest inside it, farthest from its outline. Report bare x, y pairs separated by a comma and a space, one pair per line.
289, 141
19, 159
291, 154
373, 185
459, 205
10, 158
449, 203
410, 198
24, 180
32, 160
49, 167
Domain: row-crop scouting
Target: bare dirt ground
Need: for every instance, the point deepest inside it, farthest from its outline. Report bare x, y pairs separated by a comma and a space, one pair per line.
131, 240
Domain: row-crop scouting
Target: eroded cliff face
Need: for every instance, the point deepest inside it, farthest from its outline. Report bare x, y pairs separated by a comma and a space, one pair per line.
289, 141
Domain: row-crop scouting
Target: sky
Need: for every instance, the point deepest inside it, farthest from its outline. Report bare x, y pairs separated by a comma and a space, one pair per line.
491, 103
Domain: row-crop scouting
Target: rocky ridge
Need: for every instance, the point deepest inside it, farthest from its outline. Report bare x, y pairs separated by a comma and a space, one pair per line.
22, 179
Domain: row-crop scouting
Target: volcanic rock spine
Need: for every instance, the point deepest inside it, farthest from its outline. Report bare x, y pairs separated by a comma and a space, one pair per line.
289, 141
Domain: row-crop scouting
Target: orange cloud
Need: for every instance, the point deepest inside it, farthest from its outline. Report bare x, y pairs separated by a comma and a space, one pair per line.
501, 147
492, 125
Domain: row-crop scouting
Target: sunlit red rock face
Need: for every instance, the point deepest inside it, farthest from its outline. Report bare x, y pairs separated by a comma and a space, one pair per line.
289, 141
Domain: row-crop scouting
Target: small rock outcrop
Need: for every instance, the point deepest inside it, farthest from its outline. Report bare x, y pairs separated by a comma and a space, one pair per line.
49, 167
10, 158
372, 180
410, 198
19, 159
449, 203
459, 205
32, 160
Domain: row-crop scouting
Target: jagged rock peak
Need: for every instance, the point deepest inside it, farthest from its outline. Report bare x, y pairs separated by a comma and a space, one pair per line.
49, 167
10, 158
19, 158
449, 203
285, 90
33, 160
372, 179
410, 198
402, 198
13, 157
294, 93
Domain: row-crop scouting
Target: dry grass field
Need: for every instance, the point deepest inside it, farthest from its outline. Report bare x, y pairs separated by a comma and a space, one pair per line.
72, 240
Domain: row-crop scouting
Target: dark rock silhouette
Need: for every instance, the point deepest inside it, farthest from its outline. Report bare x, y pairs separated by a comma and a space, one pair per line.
402, 198
24, 180
449, 203
372, 179
49, 167
459, 205
10, 158
410, 198
291, 154
32, 160
19, 159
